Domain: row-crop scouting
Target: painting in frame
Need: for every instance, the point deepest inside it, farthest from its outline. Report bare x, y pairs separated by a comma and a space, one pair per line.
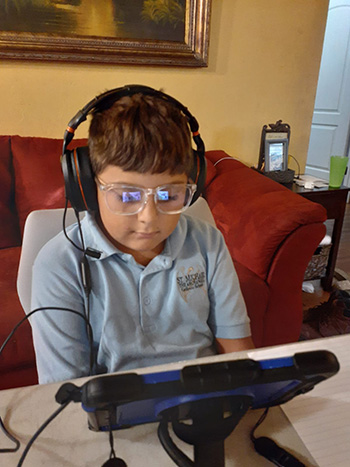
140, 32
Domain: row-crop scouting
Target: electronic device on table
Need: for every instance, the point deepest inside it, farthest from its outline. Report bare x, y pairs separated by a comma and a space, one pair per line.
273, 156
215, 396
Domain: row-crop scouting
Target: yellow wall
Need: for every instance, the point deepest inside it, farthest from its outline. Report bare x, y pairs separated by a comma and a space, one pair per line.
264, 58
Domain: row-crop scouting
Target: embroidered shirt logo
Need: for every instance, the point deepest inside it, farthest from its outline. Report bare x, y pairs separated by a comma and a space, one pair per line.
190, 280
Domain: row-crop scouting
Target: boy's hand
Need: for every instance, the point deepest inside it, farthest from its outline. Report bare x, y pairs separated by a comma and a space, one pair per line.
234, 345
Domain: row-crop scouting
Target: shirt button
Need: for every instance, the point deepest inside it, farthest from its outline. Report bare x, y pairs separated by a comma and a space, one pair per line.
147, 301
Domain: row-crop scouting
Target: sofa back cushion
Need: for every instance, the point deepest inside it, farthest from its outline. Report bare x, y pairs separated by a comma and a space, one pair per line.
39, 181
9, 228
222, 162
256, 214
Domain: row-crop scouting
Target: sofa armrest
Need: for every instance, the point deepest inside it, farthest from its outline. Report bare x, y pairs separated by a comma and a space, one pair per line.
256, 214
284, 320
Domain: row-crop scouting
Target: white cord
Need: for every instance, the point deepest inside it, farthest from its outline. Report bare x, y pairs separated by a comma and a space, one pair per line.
224, 158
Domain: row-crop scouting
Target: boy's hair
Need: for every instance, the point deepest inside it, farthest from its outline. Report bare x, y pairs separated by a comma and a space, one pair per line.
143, 134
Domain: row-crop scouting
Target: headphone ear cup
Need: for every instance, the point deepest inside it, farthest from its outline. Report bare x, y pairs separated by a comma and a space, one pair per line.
79, 179
198, 173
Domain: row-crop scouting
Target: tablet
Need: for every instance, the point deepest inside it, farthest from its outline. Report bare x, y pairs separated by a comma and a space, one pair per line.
122, 401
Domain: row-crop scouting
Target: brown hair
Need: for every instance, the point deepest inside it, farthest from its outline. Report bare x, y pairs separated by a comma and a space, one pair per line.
143, 134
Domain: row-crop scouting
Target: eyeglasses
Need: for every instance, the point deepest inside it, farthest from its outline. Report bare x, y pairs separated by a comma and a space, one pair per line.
128, 200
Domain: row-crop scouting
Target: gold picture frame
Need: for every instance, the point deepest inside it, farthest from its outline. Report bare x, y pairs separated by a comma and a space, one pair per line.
190, 51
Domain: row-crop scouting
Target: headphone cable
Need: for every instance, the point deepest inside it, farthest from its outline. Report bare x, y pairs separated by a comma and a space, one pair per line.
85, 316
267, 448
63, 406
65, 230
85, 270
11, 437
40, 430
53, 308
87, 251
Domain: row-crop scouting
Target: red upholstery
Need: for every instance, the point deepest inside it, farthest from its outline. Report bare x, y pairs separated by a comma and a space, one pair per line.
18, 354
256, 295
271, 234
38, 181
270, 231
253, 209
286, 273
9, 231
211, 172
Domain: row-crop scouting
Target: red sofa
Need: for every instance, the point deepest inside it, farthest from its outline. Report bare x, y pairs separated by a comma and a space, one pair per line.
271, 234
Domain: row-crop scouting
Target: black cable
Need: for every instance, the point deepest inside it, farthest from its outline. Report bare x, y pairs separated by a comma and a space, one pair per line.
87, 251
85, 316
40, 430
296, 160
85, 271
258, 423
90, 336
111, 441
113, 460
53, 308
11, 437
64, 227
85, 268
267, 448
170, 447
63, 406
80, 229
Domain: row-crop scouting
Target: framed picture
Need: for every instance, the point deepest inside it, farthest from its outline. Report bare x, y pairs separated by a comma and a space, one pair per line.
140, 32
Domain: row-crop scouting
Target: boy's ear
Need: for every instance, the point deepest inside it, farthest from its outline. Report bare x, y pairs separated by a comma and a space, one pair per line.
79, 179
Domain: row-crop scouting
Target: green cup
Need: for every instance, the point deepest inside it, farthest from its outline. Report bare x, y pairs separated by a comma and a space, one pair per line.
337, 170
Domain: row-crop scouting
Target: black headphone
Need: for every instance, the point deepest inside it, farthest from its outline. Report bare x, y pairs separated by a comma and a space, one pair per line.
76, 166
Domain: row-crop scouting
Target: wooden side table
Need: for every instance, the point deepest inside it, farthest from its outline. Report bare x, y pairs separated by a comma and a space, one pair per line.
334, 200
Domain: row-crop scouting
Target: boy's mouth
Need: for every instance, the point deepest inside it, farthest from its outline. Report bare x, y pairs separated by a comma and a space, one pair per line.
146, 234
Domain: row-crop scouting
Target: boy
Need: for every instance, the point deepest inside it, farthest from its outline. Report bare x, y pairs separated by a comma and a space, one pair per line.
164, 287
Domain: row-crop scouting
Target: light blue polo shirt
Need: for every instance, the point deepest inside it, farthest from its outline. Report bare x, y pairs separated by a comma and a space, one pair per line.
170, 310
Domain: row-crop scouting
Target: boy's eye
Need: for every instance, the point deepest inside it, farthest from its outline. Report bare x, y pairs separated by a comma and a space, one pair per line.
173, 193
163, 196
131, 196
120, 196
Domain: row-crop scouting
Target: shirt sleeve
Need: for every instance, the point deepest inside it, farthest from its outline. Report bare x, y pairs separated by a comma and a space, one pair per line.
228, 314
60, 337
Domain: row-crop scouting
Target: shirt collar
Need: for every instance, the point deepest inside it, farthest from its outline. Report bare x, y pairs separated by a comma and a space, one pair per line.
96, 239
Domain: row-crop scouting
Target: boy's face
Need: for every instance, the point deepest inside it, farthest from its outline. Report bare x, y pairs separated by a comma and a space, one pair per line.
143, 234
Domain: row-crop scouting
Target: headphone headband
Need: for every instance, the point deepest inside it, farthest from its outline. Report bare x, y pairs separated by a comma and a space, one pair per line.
108, 98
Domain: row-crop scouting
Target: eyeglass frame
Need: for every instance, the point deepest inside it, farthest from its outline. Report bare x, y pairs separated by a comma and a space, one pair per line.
105, 187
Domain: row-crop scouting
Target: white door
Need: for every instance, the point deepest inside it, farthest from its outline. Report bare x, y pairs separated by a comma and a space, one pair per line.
331, 119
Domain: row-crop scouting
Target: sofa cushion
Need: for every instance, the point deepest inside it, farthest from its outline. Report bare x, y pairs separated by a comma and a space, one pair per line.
38, 177
222, 162
9, 228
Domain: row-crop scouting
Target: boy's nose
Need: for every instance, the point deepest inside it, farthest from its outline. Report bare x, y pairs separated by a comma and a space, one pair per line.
150, 212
